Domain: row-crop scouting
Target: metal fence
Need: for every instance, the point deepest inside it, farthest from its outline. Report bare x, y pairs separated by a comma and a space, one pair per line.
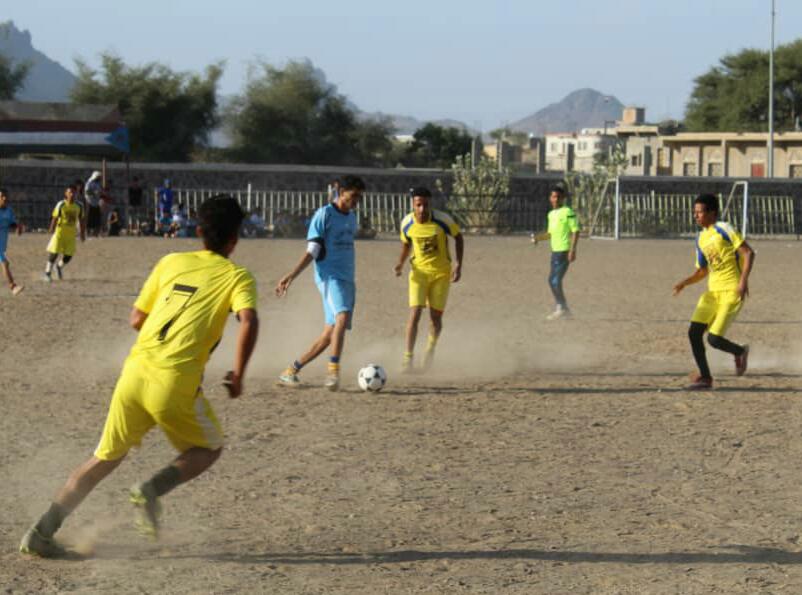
622, 215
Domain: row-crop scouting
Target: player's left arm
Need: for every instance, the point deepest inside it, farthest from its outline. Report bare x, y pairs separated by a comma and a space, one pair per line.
748, 257
137, 318
459, 243
401, 259
574, 242
246, 341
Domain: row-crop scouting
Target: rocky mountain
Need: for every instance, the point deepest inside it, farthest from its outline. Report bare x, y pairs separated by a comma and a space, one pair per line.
585, 108
47, 80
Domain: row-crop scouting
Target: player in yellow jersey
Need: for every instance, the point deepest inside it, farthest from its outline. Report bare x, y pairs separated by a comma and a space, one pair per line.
424, 233
725, 258
65, 220
180, 315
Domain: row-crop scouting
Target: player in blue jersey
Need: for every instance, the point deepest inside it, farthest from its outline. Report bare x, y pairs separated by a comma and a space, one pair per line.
7, 223
330, 245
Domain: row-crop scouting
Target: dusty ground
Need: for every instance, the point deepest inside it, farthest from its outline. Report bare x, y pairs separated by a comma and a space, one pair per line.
537, 458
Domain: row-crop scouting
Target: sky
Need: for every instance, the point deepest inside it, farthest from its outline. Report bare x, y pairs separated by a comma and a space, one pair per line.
483, 63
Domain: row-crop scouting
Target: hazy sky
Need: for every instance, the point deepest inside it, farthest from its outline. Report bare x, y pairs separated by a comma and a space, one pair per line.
484, 63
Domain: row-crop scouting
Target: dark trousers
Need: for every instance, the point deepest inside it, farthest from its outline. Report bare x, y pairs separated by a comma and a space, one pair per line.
559, 266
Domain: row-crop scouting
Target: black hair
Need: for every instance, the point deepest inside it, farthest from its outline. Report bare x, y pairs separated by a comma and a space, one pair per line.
351, 183
421, 191
220, 218
4, 191
558, 189
710, 202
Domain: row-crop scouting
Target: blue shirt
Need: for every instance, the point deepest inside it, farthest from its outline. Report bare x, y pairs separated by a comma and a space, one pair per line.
7, 221
165, 199
334, 231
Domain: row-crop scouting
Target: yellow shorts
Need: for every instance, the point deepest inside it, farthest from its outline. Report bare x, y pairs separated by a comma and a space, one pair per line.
145, 397
717, 309
429, 289
60, 244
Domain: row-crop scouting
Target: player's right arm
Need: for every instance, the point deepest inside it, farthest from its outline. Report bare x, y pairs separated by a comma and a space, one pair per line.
285, 282
697, 276
401, 259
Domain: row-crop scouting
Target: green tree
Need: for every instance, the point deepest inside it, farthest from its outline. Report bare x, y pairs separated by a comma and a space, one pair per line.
734, 95
478, 192
169, 115
12, 77
437, 146
293, 115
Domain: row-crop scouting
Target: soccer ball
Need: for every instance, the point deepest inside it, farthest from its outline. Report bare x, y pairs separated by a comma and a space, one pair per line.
371, 378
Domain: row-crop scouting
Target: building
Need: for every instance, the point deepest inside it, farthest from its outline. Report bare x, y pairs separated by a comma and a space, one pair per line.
732, 154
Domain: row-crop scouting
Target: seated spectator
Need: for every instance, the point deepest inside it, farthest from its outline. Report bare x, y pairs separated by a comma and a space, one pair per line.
163, 227
254, 226
114, 223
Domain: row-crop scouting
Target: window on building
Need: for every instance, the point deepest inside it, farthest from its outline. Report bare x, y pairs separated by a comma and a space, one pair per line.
633, 161
553, 147
795, 170
689, 169
664, 157
715, 170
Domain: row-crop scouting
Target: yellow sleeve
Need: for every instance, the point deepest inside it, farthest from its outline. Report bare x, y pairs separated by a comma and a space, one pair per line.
444, 219
244, 296
573, 222
150, 290
56, 211
736, 238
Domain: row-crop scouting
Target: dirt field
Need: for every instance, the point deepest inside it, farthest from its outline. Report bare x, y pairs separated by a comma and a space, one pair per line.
539, 457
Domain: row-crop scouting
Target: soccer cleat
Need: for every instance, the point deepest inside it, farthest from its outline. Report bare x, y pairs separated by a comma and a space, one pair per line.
59, 271
150, 510
332, 381
35, 544
289, 377
17, 289
406, 366
559, 313
740, 362
47, 278
700, 383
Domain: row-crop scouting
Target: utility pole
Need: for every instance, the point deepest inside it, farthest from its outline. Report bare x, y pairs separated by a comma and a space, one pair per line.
770, 160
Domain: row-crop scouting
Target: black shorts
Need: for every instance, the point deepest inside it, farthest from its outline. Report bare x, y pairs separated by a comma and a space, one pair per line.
93, 218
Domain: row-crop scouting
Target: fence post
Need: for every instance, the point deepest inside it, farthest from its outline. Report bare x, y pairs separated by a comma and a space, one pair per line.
746, 210
249, 197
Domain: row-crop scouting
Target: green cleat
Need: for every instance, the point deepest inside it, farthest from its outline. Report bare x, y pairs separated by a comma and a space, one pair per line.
150, 510
36, 544
289, 377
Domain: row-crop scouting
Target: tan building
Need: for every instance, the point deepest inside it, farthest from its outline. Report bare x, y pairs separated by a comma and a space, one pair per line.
732, 154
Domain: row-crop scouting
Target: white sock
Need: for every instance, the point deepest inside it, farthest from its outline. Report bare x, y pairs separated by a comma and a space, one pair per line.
48, 267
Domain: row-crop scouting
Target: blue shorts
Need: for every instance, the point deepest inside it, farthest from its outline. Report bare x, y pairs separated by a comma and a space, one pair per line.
3, 244
338, 296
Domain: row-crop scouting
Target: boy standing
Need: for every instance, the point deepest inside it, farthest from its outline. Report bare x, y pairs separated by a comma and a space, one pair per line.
424, 232
66, 217
7, 223
330, 244
725, 258
180, 315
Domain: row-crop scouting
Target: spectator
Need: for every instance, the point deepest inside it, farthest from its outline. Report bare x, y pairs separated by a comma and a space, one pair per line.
165, 194
106, 203
92, 192
178, 224
114, 223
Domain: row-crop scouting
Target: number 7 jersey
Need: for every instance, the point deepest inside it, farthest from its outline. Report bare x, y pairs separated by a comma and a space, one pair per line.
188, 297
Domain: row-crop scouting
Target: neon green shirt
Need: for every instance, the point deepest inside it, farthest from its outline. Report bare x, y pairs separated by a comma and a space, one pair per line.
562, 225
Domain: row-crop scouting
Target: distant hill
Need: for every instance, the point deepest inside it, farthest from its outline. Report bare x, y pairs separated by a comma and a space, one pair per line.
585, 108
408, 124
47, 80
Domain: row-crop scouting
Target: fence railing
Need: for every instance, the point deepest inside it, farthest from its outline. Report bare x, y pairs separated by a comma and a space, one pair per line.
640, 215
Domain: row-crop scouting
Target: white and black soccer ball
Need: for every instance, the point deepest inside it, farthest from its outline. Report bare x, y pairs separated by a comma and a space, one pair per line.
372, 378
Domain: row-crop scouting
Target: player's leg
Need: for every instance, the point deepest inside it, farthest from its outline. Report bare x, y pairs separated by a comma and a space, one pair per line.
12, 285
418, 290
729, 305
411, 336
702, 316
289, 377
437, 299
127, 422
559, 266
340, 298
51, 259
